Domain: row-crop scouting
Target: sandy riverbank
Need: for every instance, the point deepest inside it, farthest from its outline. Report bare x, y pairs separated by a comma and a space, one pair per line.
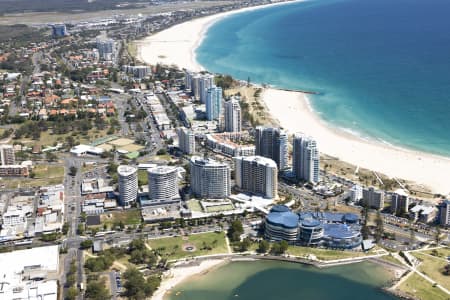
177, 45
177, 275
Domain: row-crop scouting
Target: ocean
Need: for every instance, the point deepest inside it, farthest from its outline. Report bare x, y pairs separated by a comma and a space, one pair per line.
382, 68
269, 280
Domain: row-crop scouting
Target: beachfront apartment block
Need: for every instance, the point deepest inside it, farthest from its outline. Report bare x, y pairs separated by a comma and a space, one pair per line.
257, 175
210, 179
186, 140
399, 202
213, 103
305, 158
205, 83
444, 213
163, 183
128, 184
199, 84
233, 117
373, 198
229, 144
7, 156
272, 143
356, 193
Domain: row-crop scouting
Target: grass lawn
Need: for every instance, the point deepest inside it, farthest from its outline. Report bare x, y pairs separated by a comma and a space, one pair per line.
172, 247
442, 252
218, 208
322, 254
194, 205
128, 217
391, 259
49, 139
433, 267
132, 147
142, 177
419, 288
162, 157
132, 49
48, 171
44, 175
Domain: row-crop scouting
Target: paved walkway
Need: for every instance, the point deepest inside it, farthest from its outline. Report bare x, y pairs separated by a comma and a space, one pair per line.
414, 270
227, 241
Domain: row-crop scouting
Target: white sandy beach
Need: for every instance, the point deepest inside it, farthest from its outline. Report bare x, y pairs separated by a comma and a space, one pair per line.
177, 46
295, 115
176, 275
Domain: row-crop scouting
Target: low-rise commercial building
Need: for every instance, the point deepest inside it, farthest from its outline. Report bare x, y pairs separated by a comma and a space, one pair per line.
30, 274
334, 230
423, 213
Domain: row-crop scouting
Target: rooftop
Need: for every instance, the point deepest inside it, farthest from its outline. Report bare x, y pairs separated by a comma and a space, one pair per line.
124, 170
258, 159
206, 161
160, 170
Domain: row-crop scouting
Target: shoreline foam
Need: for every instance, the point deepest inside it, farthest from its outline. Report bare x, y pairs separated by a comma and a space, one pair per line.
178, 44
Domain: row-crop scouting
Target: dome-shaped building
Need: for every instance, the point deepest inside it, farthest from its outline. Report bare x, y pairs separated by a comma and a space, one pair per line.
281, 224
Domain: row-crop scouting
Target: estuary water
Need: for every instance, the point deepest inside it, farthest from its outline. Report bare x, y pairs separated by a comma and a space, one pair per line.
268, 280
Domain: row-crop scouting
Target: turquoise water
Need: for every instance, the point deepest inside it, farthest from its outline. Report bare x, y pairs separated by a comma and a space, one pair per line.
265, 280
382, 67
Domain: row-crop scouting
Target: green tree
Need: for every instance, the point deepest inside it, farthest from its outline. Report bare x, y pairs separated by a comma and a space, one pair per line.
86, 244
65, 228
365, 232
80, 229
97, 264
235, 231
412, 235
73, 171
437, 235
134, 284
96, 290
72, 293
51, 156
279, 248
263, 246
379, 229
244, 245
